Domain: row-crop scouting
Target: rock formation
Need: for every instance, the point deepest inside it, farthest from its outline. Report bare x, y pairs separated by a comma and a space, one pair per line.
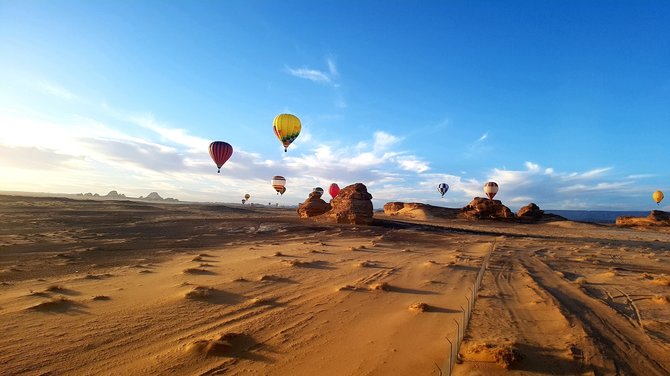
484, 208
154, 196
313, 206
530, 212
392, 208
114, 195
352, 205
655, 218
418, 210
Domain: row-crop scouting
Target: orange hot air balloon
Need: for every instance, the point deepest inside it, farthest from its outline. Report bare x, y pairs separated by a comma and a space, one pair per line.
658, 197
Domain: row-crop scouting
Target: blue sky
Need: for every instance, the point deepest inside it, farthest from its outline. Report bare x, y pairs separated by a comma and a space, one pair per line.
565, 103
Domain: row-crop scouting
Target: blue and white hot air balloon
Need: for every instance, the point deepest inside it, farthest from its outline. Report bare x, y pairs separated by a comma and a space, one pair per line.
443, 188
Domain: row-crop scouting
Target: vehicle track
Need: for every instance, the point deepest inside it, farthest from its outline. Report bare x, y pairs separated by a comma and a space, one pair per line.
632, 352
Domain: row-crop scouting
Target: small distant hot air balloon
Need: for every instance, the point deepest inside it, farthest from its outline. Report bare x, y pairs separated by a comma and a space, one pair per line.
243, 201
318, 191
282, 190
658, 197
278, 182
220, 152
442, 188
287, 128
491, 188
334, 189
247, 197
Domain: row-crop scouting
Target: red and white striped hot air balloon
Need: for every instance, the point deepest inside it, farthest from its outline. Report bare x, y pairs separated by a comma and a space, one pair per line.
278, 183
491, 188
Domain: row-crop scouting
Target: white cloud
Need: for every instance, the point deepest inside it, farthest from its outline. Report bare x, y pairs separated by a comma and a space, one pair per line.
175, 135
412, 163
383, 140
320, 76
55, 90
138, 153
641, 176
479, 146
309, 74
332, 68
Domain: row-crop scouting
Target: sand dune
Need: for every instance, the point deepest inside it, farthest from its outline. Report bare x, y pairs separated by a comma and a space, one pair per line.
144, 289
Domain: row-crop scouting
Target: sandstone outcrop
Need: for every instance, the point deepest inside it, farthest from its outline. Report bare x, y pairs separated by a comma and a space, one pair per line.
392, 208
313, 206
484, 208
655, 218
352, 205
417, 210
530, 212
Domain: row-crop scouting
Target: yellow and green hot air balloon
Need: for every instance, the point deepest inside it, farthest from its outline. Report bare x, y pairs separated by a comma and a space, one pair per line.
287, 128
658, 197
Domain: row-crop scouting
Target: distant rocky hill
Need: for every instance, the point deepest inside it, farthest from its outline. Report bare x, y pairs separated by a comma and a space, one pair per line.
114, 195
655, 218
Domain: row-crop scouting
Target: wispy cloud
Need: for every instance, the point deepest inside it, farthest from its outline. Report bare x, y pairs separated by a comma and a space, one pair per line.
332, 68
479, 146
641, 176
412, 163
54, 89
35, 158
116, 149
319, 76
175, 135
309, 74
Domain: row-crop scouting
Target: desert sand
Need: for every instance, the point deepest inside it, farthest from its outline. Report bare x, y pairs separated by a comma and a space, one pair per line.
135, 288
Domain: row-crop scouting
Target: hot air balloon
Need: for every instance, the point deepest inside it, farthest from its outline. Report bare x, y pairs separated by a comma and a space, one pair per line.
282, 190
243, 201
247, 197
287, 128
442, 188
658, 197
491, 188
278, 182
220, 152
334, 189
318, 191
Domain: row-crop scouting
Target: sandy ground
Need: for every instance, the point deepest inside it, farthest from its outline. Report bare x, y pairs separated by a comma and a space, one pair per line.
93, 287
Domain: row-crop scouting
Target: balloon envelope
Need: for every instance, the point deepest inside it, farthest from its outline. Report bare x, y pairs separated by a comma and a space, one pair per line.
287, 128
491, 188
318, 191
220, 152
658, 196
442, 188
334, 189
247, 196
278, 182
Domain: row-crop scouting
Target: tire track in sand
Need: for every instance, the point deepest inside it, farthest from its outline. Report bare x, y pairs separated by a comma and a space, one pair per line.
514, 312
632, 352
